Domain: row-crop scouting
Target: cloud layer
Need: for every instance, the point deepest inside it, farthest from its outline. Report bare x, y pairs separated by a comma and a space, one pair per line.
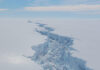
3, 9
64, 8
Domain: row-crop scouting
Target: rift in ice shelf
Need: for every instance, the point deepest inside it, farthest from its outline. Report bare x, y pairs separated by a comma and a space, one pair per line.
55, 52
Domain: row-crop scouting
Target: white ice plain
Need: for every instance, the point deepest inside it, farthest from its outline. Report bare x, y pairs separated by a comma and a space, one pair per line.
17, 37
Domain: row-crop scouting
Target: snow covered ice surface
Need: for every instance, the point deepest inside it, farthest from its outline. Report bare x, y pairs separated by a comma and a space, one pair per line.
17, 36
56, 52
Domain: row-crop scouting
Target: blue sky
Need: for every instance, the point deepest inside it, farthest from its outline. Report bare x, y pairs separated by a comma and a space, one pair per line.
50, 8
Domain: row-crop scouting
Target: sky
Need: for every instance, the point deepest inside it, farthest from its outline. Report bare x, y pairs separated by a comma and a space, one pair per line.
50, 9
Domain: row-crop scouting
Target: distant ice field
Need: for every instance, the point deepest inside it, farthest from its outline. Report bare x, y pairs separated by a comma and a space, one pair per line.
17, 36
